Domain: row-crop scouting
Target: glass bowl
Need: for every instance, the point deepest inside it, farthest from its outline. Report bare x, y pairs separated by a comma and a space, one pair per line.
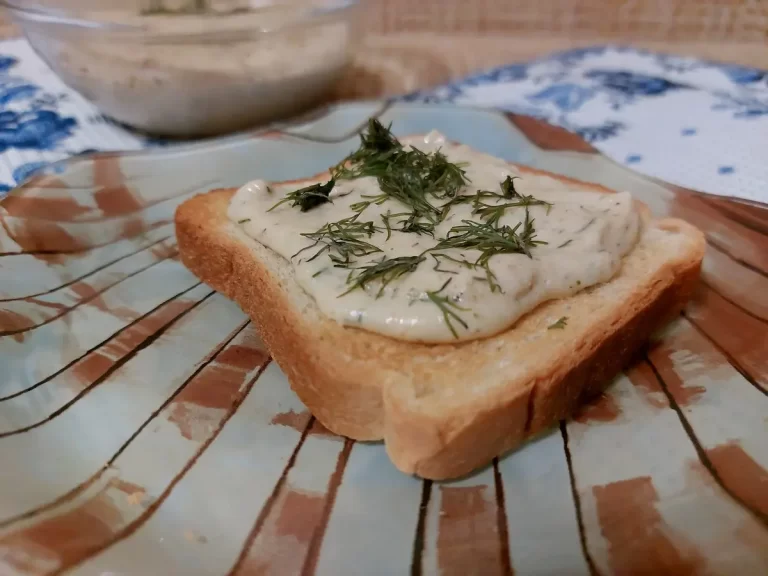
170, 71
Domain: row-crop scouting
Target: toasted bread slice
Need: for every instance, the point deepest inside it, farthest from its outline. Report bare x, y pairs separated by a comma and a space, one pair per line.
444, 410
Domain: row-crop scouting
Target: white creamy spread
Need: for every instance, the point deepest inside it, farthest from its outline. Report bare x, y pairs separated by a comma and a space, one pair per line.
586, 235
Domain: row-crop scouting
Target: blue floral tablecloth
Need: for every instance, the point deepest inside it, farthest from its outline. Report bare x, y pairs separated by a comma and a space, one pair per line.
684, 120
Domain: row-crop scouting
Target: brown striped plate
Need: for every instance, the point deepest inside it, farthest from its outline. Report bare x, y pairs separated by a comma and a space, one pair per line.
144, 431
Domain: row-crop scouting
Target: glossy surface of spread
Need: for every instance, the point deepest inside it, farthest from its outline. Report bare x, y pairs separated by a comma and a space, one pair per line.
580, 239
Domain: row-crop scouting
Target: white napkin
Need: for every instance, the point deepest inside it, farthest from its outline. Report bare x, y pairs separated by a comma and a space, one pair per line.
689, 122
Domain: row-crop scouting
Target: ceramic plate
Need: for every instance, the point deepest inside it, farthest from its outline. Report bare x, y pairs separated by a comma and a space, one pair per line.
144, 430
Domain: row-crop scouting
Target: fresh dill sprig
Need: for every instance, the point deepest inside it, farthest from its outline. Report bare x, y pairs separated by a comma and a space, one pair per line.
448, 307
491, 239
342, 240
460, 261
411, 224
443, 179
492, 213
528, 234
384, 271
366, 201
308, 197
559, 325
413, 178
377, 147
410, 176
376, 140
489, 277
445, 209
385, 218
508, 188
414, 225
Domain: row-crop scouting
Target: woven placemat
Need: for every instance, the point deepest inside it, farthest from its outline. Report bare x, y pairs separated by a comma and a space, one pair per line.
708, 20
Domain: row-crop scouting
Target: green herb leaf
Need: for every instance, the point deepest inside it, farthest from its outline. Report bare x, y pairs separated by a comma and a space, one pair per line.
414, 225
492, 213
410, 176
448, 307
384, 271
308, 197
490, 239
508, 188
342, 240
559, 325
460, 262
385, 218
378, 139
367, 201
489, 277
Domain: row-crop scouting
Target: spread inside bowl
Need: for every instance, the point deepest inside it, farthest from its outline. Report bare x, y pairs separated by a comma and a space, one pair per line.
202, 74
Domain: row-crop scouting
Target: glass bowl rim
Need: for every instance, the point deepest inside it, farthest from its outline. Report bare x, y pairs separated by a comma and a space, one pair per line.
70, 19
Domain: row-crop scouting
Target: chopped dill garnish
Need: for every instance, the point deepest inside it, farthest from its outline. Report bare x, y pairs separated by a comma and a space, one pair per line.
491, 239
508, 188
377, 147
244, 220
367, 201
376, 140
410, 176
564, 244
460, 262
413, 225
492, 213
448, 307
385, 218
342, 240
384, 271
308, 197
559, 325
489, 277
410, 224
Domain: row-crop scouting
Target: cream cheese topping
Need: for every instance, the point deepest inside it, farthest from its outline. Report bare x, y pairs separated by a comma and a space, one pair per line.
586, 234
